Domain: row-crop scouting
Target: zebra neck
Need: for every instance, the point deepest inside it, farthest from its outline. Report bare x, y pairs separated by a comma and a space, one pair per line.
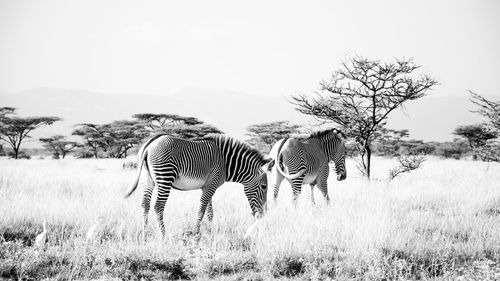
240, 161
239, 165
328, 147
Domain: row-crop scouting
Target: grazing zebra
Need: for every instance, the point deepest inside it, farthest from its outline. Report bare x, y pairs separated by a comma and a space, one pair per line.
306, 162
203, 164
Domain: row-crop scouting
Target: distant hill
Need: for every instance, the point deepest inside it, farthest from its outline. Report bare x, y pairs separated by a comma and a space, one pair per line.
431, 118
228, 111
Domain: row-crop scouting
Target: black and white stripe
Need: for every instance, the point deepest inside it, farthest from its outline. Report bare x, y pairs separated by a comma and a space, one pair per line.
203, 164
306, 161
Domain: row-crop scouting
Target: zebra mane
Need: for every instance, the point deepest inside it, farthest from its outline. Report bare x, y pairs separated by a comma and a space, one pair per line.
225, 141
320, 134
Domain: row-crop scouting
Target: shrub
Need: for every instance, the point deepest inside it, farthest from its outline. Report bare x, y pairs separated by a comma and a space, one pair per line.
130, 165
406, 165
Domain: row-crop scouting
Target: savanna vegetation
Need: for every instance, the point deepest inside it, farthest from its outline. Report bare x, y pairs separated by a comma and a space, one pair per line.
440, 221
429, 211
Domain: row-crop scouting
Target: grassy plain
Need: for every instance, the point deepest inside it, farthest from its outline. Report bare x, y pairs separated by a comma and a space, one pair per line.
440, 222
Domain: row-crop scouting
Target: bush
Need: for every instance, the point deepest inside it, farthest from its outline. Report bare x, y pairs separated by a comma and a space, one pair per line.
406, 165
455, 149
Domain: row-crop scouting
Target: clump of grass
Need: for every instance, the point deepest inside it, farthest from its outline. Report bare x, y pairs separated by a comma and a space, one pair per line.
405, 264
493, 208
288, 266
85, 262
231, 263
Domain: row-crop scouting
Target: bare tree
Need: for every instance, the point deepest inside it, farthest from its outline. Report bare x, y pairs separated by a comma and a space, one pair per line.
491, 111
14, 130
360, 96
487, 108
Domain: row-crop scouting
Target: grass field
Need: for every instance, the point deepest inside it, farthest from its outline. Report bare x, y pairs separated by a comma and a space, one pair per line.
440, 222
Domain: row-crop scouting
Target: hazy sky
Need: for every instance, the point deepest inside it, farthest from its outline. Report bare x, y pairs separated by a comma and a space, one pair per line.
255, 47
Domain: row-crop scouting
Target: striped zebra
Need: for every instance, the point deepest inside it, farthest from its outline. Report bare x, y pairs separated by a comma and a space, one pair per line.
203, 164
306, 161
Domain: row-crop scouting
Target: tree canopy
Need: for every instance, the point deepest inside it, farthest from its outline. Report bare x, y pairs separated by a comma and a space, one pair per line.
113, 139
59, 146
155, 121
14, 130
190, 131
361, 95
264, 135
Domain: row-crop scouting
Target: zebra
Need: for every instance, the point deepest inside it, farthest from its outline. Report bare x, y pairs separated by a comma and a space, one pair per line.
205, 164
306, 161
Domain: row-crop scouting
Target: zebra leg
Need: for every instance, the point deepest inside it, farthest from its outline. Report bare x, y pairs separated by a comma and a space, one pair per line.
163, 192
278, 178
324, 191
210, 211
206, 198
146, 200
312, 193
296, 187
322, 182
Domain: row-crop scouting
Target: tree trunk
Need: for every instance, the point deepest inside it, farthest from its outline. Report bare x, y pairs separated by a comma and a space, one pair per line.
368, 156
365, 153
16, 152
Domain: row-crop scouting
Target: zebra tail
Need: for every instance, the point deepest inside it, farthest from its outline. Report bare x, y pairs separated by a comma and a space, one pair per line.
139, 169
279, 164
141, 162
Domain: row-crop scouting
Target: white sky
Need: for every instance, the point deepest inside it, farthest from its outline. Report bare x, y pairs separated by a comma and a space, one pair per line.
254, 47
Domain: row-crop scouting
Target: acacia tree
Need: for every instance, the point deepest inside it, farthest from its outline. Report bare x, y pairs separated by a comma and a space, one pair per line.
491, 111
487, 108
476, 135
59, 146
155, 121
92, 135
176, 125
191, 131
360, 96
388, 140
266, 134
120, 136
14, 130
113, 139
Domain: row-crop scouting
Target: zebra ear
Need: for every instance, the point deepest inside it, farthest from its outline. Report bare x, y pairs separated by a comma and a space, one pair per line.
341, 135
268, 165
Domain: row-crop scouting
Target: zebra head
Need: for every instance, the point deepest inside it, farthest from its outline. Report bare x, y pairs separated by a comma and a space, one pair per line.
246, 165
256, 188
333, 142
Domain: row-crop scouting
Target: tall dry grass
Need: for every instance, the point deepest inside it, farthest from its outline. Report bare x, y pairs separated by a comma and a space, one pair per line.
437, 222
